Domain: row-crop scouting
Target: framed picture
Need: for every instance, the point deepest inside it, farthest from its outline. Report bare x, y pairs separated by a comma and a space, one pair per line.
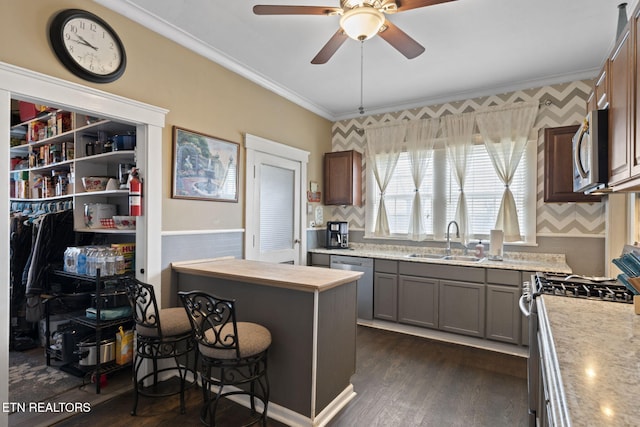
204, 167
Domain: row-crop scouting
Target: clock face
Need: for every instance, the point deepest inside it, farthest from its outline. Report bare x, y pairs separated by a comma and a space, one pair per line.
87, 46
91, 46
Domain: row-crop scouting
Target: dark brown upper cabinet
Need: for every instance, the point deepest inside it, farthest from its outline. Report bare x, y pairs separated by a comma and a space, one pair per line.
342, 178
558, 167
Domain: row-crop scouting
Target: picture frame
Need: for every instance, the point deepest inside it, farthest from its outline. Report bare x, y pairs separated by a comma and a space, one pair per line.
204, 167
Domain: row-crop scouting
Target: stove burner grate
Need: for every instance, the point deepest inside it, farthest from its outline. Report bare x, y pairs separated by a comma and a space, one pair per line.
610, 290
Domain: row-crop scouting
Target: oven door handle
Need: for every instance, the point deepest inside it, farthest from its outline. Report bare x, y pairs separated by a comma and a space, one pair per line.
522, 302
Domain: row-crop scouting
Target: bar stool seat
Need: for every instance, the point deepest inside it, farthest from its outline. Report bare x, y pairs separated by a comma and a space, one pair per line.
233, 355
252, 339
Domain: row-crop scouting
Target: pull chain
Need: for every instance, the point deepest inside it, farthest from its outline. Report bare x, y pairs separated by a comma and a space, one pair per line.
361, 109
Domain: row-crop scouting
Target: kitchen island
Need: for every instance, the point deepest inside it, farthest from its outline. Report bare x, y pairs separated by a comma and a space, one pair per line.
311, 314
593, 350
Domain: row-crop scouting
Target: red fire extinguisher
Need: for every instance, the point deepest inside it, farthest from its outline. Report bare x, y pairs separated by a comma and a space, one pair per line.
135, 193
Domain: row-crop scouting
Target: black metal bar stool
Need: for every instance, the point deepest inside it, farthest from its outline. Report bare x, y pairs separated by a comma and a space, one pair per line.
161, 335
233, 354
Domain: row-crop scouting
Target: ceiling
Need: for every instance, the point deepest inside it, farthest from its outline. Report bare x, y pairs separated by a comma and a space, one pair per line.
473, 48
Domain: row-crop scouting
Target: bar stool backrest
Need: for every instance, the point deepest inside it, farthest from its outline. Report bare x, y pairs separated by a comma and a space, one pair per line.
144, 307
213, 320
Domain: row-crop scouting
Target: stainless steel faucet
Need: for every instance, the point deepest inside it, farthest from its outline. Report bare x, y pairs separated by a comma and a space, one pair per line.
448, 250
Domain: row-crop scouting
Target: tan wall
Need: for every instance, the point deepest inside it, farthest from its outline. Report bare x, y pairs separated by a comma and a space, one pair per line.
199, 94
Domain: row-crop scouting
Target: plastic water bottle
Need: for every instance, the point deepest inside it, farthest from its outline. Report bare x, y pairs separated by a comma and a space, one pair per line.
120, 266
81, 266
110, 263
91, 262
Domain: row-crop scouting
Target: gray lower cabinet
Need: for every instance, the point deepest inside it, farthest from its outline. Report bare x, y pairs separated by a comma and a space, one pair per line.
418, 301
503, 314
475, 301
385, 296
319, 260
461, 308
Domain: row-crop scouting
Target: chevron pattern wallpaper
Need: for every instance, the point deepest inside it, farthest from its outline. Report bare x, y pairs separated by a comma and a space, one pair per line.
560, 105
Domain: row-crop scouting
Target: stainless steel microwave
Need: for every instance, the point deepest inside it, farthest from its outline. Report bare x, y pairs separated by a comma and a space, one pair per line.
590, 153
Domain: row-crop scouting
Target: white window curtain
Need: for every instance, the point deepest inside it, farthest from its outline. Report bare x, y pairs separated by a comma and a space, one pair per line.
420, 138
505, 132
384, 144
459, 142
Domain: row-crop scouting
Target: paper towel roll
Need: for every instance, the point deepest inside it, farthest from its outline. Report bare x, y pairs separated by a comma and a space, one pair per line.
495, 244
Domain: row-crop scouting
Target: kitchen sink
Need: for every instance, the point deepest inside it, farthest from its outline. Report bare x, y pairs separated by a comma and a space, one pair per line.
426, 256
468, 258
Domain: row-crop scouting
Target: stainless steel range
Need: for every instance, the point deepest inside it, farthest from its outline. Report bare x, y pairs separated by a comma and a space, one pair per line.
543, 391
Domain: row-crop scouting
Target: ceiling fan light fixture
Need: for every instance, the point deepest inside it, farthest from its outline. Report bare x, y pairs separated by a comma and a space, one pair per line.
362, 23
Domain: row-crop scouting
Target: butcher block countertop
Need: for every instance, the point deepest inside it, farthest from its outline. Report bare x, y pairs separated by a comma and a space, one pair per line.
597, 345
297, 277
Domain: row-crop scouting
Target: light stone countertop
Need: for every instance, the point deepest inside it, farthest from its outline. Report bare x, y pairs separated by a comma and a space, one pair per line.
598, 352
525, 261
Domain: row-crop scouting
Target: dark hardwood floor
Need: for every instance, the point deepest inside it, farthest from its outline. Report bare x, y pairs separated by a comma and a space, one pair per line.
401, 380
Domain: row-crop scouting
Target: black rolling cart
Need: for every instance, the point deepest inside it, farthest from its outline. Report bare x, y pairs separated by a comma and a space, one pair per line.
77, 307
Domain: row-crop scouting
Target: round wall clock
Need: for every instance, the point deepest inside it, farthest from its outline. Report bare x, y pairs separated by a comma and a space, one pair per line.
87, 46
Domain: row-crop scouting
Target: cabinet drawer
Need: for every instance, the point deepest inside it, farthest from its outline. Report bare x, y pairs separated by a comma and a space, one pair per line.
441, 271
504, 277
385, 266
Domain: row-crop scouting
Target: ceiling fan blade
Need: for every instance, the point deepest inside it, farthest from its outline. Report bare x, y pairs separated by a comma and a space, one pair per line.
400, 40
415, 4
295, 10
330, 48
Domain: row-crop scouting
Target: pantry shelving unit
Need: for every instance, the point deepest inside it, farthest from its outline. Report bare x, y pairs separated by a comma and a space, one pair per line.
96, 324
59, 148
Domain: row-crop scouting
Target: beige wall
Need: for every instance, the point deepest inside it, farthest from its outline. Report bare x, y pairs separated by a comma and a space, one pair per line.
199, 94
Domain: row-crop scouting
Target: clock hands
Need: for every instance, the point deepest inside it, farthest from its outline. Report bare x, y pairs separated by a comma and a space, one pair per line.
85, 42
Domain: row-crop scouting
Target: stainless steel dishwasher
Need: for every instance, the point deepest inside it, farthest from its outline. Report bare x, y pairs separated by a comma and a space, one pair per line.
365, 283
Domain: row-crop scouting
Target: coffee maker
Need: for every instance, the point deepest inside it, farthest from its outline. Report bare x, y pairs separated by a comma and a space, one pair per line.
337, 235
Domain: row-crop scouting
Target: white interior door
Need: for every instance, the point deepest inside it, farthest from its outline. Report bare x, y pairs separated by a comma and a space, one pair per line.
275, 174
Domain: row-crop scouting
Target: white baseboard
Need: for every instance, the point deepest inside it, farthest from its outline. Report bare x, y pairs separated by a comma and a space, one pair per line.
294, 419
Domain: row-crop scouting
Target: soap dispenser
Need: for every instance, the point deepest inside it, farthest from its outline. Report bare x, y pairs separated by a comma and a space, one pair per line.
479, 250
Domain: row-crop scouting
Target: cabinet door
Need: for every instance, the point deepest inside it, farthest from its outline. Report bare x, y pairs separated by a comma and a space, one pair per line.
558, 167
503, 313
418, 301
619, 111
385, 296
601, 89
462, 307
635, 143
342, 181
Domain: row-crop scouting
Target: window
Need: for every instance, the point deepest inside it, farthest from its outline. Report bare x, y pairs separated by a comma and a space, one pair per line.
439, 192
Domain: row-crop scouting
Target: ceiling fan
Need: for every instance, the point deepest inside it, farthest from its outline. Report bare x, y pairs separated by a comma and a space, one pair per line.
360, 20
